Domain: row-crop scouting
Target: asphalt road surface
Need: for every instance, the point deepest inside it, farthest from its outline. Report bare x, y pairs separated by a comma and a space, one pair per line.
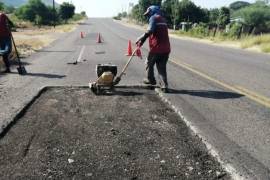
70, 133
222, 93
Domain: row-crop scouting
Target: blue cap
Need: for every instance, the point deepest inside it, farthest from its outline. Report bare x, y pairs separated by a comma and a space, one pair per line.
151, 10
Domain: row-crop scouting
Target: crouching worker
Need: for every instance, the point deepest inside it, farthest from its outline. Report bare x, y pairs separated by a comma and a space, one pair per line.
159, 47
5, 40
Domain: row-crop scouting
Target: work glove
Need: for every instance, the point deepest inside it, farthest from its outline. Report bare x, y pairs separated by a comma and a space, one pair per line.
140, 41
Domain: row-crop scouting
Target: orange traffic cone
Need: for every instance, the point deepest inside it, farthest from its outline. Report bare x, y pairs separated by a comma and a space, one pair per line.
99, 38
82, 36
139, 52
129, 50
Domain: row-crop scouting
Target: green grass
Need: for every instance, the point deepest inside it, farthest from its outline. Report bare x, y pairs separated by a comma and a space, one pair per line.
204, 35
262, 40
266, 47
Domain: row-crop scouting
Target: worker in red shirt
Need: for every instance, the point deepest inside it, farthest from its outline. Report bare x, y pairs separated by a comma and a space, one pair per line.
5, 39
159, 46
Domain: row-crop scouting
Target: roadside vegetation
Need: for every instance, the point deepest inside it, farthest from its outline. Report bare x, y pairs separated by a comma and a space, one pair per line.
36, 25
36, 13
247, 23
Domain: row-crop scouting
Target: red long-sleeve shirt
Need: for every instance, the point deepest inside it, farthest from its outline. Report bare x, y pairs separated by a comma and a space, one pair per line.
159, 39
4, 30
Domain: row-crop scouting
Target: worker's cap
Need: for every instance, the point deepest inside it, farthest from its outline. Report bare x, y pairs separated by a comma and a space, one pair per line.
152, 10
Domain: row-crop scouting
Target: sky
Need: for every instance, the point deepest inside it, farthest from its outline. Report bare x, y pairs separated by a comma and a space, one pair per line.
109, 8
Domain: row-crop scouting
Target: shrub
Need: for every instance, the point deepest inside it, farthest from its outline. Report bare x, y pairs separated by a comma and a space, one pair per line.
77, 17
200, 30
235, 30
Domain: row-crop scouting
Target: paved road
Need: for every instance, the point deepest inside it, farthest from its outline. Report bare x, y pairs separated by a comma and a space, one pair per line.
222, 93
83, 137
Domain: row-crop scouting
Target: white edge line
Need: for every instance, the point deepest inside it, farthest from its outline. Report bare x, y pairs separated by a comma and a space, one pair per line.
228, 167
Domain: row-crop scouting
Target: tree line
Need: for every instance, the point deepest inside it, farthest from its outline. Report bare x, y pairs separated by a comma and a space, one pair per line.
240, 16
38, 13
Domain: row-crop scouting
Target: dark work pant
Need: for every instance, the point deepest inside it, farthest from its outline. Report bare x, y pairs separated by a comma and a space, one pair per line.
6, 47
161, 63
6, 61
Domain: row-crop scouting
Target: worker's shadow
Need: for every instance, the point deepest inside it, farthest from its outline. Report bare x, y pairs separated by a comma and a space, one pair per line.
119, 93
16, 63
52, 51
43, 75
127, 93
207, 94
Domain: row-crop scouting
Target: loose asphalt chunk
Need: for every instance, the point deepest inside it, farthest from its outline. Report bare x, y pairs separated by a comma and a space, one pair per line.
70, 133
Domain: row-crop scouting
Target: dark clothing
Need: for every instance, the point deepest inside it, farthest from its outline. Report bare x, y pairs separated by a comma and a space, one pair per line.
5, 39
5, 46
161, 61
159, 45
4, 29
6, 61
159, 38
160, 49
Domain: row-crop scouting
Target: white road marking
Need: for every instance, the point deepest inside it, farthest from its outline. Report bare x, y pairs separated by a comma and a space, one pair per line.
81, 53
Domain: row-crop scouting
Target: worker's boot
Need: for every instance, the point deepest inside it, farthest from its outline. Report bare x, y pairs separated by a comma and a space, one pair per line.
165, 90
148, 82
7, 71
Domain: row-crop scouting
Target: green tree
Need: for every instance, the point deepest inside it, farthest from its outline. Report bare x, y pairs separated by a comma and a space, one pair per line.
262, 2
189, 12
26, 13
83, 13
34, 9
170, 9
1, 6
256, 16
66, 11
137, 13
9, 9
224, 17
52, 16
144, 4
38, 20
238, 5
213, 16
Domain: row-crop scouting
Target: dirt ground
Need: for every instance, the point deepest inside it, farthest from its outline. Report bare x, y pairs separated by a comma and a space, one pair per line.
31, 39
28, 40
70, 133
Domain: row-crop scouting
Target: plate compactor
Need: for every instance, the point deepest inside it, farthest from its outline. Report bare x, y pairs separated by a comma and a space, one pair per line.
107, 79
106, 74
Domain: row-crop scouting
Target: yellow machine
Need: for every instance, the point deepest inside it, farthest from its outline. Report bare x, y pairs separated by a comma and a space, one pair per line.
106, 74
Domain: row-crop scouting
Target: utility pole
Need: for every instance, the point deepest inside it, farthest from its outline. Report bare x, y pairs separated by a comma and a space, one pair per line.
54, 14
174, 9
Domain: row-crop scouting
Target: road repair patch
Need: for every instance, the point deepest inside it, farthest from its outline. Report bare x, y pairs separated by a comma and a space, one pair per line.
70, 133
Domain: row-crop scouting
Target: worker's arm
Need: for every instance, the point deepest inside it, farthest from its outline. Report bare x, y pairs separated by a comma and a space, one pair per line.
140, 41
151, 28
